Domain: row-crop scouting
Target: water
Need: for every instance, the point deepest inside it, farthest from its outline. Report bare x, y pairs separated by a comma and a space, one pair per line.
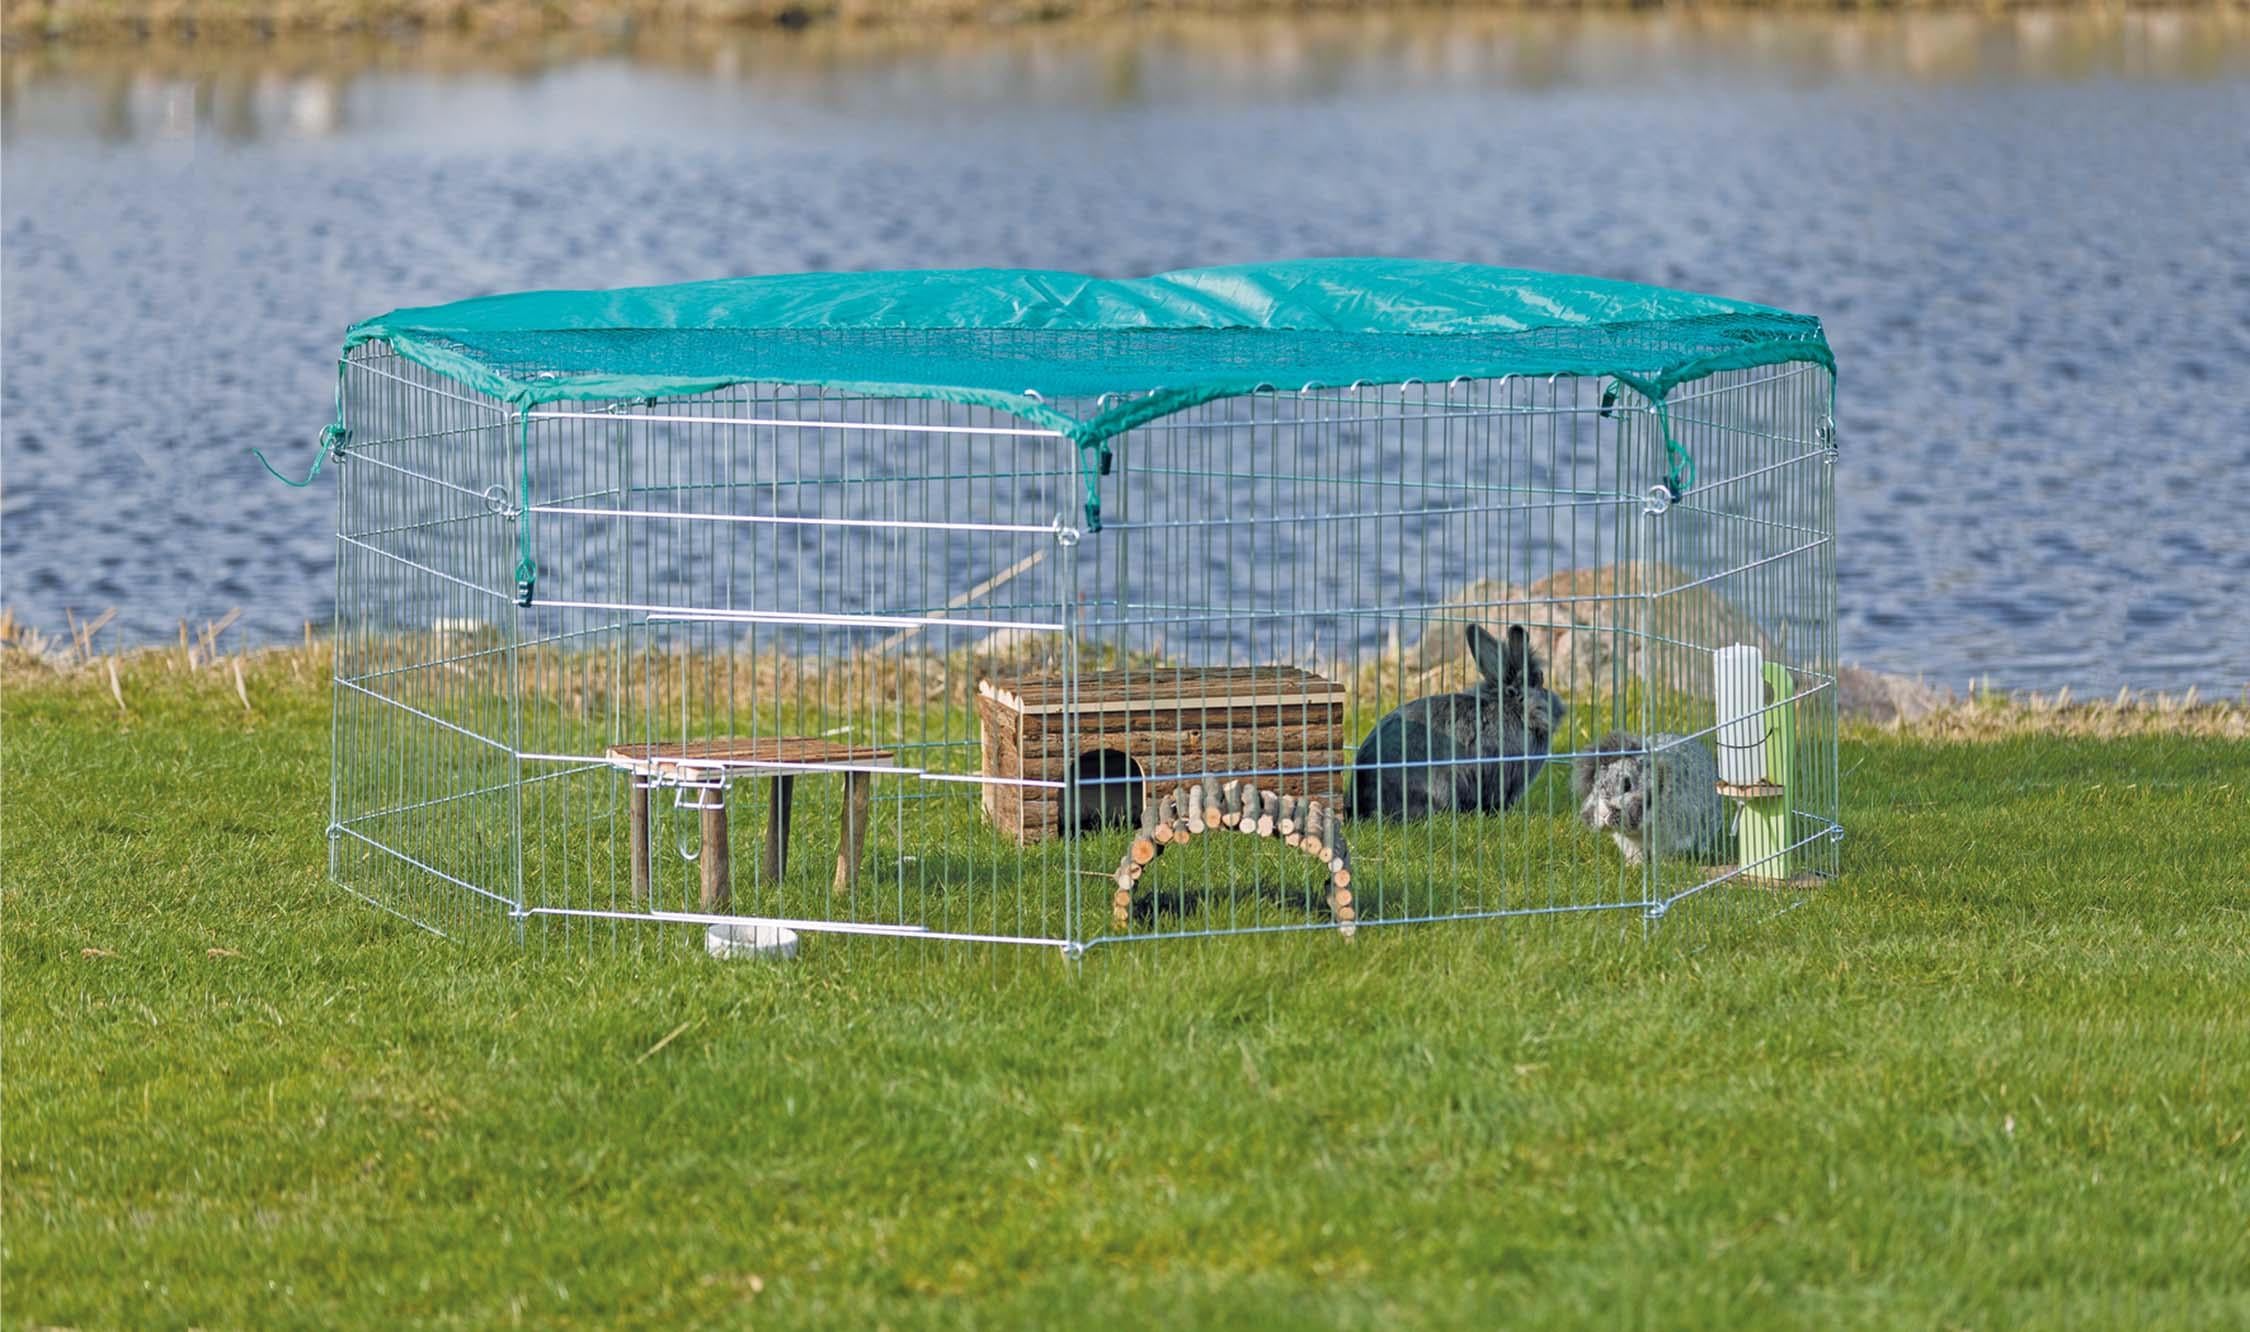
2026, 236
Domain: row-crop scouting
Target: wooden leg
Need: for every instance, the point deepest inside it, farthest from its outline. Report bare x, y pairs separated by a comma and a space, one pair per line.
636, 841
777, 828
859, 791
718, 881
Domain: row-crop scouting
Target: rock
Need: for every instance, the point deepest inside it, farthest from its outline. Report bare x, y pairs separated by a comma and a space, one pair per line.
1019, 647
1865, 695
1591, 627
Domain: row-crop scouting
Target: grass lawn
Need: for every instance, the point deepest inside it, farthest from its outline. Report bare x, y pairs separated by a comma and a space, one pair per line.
1999, 1075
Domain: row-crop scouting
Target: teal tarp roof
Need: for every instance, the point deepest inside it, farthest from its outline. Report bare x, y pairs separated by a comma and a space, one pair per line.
1048, 346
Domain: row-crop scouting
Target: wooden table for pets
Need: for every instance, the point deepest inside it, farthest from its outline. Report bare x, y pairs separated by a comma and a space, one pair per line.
706, 766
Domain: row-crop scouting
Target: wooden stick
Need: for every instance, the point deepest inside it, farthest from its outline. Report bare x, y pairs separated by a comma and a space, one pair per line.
780, 800
1195, 821
1230, 804
636, 840
716, 873
1121, 903
1339, 855
1143, 851
1175, 817
1268, 802
859, 792
1340, 900
1286, 824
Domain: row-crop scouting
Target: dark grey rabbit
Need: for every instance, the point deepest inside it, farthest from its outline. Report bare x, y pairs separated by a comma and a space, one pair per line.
1475, 750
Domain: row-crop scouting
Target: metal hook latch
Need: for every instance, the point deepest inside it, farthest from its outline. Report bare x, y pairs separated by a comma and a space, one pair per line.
699, 785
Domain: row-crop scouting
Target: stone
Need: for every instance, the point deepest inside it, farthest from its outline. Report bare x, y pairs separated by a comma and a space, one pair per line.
1590, 628
1865, 695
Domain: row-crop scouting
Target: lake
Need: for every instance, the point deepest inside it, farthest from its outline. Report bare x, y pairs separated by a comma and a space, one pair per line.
2027, 236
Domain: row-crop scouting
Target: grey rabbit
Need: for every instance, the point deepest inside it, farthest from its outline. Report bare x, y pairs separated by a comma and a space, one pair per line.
1615, 783
1475, 750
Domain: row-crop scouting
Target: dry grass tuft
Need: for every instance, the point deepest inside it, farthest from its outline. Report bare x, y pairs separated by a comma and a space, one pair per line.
30, 657
1993, 717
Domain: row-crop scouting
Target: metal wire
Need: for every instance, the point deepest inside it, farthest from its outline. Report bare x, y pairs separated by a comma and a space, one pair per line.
836, 578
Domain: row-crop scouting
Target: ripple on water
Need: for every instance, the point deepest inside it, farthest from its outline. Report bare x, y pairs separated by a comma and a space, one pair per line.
2035, 293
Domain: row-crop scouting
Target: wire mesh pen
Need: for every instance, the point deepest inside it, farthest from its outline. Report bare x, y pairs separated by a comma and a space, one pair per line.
1027, 608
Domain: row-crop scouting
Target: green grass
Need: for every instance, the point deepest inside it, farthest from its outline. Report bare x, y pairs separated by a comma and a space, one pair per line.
1997, 1076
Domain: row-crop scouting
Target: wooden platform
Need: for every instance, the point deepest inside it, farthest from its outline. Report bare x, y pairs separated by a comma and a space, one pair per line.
1753, 791
720, 753
1800, 880
710, 763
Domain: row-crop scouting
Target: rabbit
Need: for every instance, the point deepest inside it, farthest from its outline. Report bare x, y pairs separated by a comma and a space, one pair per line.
1472, 751
1615, 784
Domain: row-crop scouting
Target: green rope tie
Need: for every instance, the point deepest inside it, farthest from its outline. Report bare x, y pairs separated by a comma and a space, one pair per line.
332, 437
1093, 464
1679, 465
1679, 473
331, 444
527, 569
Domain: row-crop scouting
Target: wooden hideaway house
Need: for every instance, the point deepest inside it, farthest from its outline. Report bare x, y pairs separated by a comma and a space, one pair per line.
1149, 730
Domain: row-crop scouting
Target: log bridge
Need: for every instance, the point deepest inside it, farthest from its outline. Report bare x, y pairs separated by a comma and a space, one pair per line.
1198, 809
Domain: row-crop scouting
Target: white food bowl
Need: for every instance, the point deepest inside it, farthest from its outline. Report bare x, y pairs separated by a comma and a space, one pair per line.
750, 939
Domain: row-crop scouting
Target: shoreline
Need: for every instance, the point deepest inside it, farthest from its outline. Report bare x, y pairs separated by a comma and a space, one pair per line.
99, 23
1869, 702
155, 82
298, 82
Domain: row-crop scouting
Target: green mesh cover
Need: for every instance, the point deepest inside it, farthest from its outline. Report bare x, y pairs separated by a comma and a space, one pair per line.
1038, 344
